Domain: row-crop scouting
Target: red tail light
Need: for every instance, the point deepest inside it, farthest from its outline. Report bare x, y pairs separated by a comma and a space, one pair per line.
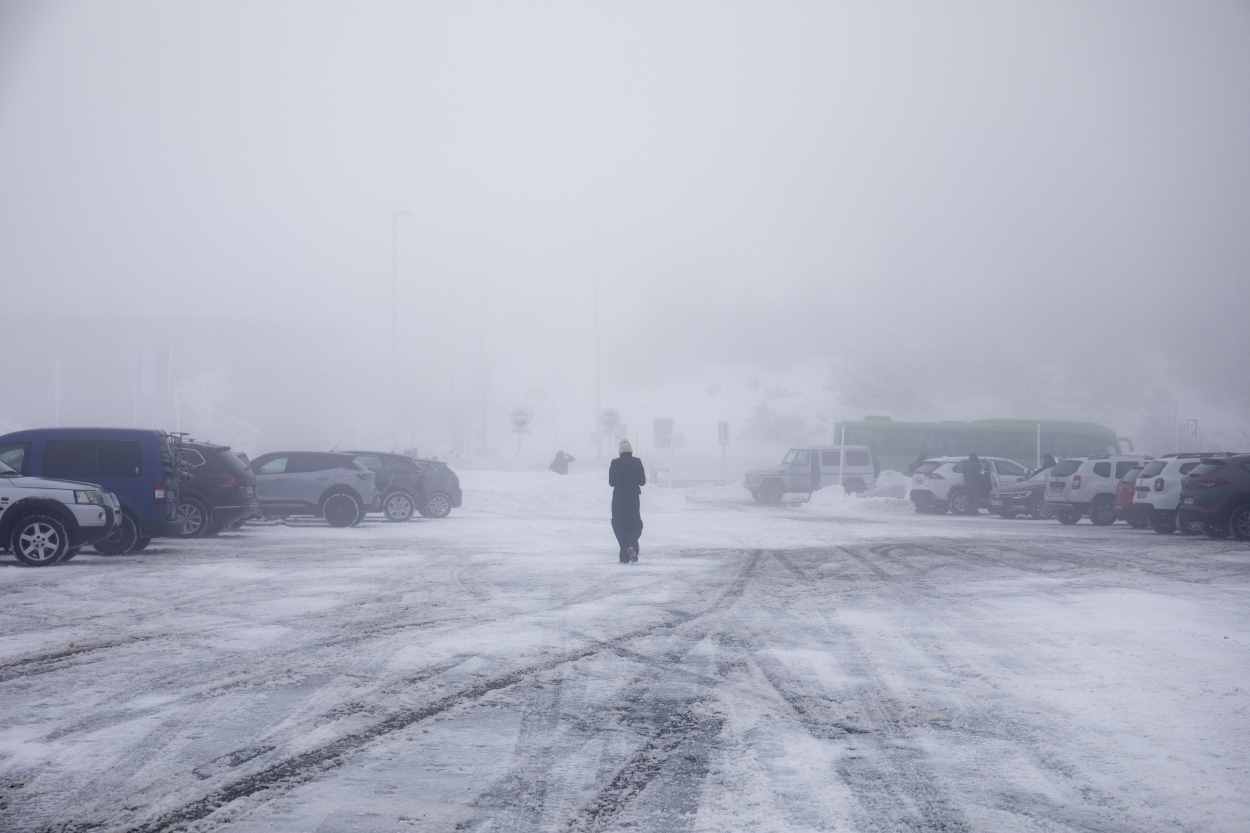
229, 481
1076, 481
1158, 484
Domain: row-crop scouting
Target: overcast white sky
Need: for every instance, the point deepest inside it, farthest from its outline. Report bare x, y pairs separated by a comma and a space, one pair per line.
1036, 205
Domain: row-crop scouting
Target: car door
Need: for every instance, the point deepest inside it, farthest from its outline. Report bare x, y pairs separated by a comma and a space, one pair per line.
830, 463
1007, 472
271, 488
309, 474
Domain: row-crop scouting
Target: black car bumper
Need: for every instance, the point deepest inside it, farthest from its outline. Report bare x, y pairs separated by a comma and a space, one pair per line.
224, 516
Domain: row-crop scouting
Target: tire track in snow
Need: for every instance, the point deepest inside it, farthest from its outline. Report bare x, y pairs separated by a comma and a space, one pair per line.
302, 767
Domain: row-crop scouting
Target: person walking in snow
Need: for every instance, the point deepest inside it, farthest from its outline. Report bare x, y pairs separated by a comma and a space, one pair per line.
560, 465
627, 477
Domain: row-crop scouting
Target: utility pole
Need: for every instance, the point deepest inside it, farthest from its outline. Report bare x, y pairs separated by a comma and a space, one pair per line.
598, 377
394, 354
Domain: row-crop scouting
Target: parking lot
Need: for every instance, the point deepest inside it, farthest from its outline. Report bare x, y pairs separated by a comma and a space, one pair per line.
837, 665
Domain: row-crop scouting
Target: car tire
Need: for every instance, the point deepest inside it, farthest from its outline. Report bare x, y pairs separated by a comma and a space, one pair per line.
1138, 520
1102, 513
437, 505
1163, 522
121, 540
341, 509
1215, 531
961, 503
399, 506
1239, 522
193, 518
39, 540
141, 543
1068, 517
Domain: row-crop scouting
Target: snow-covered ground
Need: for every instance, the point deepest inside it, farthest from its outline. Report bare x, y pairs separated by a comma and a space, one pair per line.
836, 665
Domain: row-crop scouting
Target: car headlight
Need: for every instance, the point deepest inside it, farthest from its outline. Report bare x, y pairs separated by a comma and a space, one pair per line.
89, 496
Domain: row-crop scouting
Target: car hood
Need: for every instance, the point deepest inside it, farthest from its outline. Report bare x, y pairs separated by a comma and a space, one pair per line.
41, 483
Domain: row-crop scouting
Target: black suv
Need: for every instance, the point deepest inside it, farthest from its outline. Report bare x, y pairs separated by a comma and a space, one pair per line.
218, 490
407, 485
1216, 496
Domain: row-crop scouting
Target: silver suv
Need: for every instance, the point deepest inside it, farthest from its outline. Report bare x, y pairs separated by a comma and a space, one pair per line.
326, 485
47, 521
1087, 486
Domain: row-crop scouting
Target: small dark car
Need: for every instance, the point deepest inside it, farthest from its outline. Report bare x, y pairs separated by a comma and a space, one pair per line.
218, 490
407, 485
1024, 497
138, 465
1216, 497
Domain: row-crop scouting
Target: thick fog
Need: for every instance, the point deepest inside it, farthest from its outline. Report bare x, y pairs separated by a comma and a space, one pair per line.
812, 211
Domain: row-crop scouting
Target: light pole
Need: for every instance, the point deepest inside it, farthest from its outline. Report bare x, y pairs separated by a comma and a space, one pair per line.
598, 379
395, 215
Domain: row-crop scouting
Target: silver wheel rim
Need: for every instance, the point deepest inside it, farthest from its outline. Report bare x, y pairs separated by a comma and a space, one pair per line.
190, 518
438, 505
399, 506
39, 541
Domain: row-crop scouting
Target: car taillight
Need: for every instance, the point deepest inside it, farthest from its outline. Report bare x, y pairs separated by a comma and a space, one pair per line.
1158, 484
229, 481
1076, 481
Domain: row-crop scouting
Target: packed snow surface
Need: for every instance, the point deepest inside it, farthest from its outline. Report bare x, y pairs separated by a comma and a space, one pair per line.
840, 664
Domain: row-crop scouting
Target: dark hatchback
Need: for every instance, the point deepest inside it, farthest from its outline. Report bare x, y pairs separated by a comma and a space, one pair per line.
407, 485
218, 489
138, 465
1216, 497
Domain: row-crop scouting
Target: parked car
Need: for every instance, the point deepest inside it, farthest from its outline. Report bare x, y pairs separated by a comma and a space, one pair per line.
1216, 496
1022, 497
218, 489
138, 465
800, 467
43, 522
1158, 487
1135, 514
323, 484
938, 483
407, 485
1087, 486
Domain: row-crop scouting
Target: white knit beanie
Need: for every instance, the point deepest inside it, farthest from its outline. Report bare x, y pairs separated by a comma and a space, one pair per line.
626, 447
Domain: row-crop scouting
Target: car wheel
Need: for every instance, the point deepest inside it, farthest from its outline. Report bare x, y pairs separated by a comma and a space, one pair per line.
961, 503
437, 505
1239, 522
399, 506
1215, 531
191, 518
1102, 514
1068, 517
141, 543
39, 540
1163, 523
121, 540
341, 509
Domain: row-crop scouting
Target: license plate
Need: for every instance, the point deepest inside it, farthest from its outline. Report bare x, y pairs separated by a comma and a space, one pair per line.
1189, 501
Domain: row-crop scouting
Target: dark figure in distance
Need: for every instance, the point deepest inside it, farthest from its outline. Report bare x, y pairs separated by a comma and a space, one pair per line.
1048, 462
560, 465
976, 481
626, 477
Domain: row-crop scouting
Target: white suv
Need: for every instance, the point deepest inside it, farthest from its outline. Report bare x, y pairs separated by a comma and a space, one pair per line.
1159, 487
1086, 486
937, 484
46, 521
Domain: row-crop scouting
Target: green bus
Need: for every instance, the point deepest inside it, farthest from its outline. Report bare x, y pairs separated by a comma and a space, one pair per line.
896, 445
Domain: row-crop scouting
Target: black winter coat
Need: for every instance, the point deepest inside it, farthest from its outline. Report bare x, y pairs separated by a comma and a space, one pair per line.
626, 477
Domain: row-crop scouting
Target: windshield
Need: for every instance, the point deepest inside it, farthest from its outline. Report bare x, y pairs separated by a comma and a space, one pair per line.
6, 469
1065, 468
928, 467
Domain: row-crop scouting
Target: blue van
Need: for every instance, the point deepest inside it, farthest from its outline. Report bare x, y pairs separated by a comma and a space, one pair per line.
138, 465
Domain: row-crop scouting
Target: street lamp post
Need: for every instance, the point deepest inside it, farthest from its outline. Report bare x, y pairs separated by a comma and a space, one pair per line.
395, 215
598, 379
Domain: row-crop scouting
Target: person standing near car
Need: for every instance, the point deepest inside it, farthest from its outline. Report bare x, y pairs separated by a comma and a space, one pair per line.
626, 476
975, 481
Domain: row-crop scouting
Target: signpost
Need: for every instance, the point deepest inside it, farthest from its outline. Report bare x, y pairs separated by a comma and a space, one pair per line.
520, 425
